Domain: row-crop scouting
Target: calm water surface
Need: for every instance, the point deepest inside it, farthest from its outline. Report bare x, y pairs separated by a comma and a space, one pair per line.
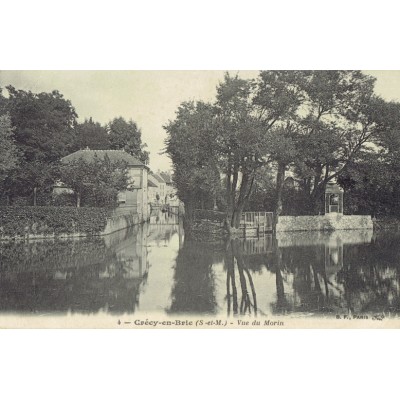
152, 269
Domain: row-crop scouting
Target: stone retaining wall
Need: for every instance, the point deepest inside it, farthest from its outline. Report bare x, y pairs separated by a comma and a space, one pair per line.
328, 222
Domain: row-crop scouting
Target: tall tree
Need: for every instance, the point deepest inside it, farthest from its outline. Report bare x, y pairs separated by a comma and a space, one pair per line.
247, 112
371, 179
191, 146
338, 117
126, 135
92, 135
331, 116
44, 124
278, 97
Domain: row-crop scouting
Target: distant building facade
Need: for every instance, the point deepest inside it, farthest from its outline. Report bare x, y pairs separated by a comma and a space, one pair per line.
154, 191
171, 197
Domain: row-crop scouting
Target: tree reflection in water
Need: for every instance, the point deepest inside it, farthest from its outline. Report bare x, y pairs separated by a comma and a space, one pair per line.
193, 290
282, 304
234, 260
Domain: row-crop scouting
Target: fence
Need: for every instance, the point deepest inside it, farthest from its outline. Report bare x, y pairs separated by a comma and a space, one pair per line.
261, 220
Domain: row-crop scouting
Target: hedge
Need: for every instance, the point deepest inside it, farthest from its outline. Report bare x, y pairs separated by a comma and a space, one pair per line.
22, 221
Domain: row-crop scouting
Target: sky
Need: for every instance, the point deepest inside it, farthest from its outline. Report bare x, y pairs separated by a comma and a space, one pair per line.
150, 98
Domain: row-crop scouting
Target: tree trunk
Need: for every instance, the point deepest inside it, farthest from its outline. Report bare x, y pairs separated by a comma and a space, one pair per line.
237, 213
35, 196
228, 200
280, 180
188, 218
318, 190
78, 199
316, 198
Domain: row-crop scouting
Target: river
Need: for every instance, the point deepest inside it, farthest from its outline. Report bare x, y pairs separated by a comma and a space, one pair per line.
151, 269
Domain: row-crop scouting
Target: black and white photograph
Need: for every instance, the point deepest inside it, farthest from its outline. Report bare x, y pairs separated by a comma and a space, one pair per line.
199, 199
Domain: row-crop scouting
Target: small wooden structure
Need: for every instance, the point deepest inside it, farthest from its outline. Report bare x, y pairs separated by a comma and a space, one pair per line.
333, 198
255, 223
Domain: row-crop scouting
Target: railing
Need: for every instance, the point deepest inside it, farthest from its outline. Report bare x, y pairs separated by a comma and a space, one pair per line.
261, 221
257, 219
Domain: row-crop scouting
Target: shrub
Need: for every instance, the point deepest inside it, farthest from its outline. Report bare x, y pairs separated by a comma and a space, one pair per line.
64, 200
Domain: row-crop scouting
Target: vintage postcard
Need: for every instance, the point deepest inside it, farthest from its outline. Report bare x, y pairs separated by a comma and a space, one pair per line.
200, 199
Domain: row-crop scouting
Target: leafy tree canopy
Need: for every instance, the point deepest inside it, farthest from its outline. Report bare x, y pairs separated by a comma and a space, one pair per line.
44, 124
95, 183
92, 135
190, 144
126, 135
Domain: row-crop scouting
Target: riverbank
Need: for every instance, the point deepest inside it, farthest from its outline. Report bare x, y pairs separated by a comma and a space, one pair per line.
25, 223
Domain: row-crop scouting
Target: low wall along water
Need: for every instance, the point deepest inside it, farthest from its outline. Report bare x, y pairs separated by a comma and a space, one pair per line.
328, 222
120, 222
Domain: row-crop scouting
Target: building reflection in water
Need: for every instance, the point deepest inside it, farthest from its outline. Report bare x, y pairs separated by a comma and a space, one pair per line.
105, 274
87, 275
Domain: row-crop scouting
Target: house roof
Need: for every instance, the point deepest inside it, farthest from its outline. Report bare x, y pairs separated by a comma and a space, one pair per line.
113, 155
166, 178
151, 184
159, 179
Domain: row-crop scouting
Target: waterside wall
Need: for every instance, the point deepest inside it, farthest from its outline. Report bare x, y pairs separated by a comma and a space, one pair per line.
122, 221
328, 222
